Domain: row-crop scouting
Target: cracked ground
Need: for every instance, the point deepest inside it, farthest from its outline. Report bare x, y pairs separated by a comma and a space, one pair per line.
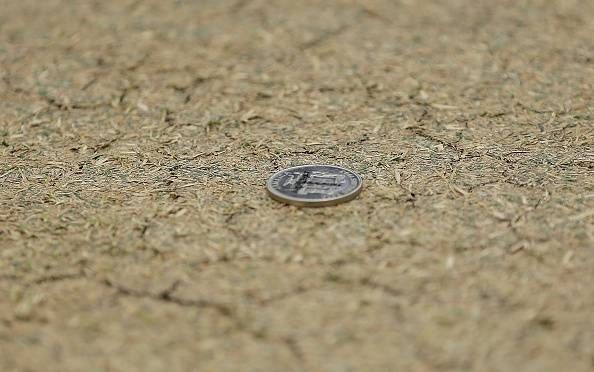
136, 138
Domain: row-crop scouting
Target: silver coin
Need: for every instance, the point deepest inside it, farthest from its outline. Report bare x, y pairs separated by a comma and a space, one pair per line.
314, 185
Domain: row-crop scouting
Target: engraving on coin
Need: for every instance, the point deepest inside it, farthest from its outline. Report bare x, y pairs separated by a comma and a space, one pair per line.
314, 185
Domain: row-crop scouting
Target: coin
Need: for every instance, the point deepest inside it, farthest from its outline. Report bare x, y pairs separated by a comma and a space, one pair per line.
314, 185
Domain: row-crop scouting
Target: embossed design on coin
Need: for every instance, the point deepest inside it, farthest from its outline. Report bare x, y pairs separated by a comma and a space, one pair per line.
314, 185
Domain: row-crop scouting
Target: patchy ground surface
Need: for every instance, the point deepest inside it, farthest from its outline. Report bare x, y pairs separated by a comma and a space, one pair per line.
136, 138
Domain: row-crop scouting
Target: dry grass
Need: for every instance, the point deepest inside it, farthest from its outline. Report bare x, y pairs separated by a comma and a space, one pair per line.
136, 138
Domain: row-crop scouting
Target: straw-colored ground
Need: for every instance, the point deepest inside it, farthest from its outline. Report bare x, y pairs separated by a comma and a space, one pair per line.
136, 138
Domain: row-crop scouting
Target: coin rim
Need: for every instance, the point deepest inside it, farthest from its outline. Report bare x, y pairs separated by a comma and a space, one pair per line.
274, 194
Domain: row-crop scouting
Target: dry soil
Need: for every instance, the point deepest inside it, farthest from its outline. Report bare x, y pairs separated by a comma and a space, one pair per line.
136, 138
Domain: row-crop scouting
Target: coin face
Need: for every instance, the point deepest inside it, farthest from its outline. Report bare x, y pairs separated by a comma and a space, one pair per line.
314, 185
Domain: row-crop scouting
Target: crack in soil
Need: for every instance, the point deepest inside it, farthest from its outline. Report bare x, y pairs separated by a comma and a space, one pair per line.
224, 310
